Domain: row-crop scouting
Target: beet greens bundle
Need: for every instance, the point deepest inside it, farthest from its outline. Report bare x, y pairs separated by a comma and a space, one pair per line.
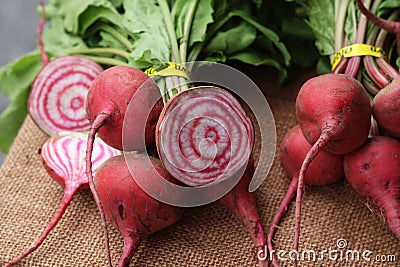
350, 43
93, 61
141, 34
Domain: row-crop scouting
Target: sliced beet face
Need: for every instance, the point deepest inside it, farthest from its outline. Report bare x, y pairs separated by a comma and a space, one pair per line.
58, 95
204, 135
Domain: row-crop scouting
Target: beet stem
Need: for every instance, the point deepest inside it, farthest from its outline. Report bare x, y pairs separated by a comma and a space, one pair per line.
287, 199
315, 149
45, 57
354, 62
97, 123
386, 25
66, 200
390, 26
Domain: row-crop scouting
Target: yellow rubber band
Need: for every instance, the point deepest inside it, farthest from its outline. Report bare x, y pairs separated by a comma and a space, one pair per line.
173, 69
356, 50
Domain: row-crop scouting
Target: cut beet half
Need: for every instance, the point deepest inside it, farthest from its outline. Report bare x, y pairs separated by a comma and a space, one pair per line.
58, 94
204, 135
63, 157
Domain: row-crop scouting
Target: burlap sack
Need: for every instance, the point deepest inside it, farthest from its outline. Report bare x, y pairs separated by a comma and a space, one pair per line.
334, 217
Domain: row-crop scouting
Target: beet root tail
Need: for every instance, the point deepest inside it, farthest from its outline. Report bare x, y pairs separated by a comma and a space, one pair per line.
287, 199
64, 205
315, 149
243, 204
97, 123
391, 210
131, 243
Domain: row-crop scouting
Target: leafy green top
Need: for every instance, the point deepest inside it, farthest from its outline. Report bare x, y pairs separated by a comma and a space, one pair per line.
142, 34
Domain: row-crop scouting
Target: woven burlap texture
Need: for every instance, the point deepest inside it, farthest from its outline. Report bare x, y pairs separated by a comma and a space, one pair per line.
206, 236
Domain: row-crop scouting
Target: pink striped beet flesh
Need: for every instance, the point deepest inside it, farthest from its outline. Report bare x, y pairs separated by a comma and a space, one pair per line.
204, 135
58, 94
63, 157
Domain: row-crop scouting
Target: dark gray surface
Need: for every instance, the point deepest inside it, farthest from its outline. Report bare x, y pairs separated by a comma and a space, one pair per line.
18, 25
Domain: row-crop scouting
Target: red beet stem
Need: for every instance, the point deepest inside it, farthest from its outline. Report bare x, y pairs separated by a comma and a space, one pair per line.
66, 200
322, 141
131, 244
287, 199
97, 123
45, 57
390, 26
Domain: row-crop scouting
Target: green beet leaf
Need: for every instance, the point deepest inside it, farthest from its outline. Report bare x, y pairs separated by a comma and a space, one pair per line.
142, 34
15, 82
151, 45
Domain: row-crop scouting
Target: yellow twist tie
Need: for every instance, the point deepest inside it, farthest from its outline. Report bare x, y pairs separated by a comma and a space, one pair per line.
173, 69
356, 50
